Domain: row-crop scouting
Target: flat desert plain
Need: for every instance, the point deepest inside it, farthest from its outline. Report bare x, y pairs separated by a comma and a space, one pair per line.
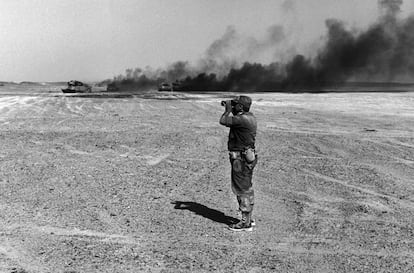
142, 184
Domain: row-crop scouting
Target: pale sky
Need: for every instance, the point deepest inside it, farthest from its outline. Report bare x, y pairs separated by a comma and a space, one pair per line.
92, 40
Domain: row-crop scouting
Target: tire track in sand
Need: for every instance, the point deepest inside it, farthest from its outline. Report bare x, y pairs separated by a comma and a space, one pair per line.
403, 203
85, 234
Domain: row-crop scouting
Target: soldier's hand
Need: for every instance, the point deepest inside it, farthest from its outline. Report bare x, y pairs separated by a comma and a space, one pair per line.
228, 106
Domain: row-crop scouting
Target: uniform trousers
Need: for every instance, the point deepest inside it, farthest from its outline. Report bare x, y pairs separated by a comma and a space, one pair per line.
241, 181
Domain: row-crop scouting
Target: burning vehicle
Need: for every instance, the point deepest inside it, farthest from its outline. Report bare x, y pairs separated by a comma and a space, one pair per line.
112, 87
175, 86
165, 87
77, 87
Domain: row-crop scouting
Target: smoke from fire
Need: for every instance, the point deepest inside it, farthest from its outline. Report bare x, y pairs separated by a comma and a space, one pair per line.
383, 52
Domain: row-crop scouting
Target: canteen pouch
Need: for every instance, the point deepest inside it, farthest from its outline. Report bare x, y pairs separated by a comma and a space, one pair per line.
249, 155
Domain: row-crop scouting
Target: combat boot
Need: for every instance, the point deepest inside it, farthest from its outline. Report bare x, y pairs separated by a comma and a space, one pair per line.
244, 224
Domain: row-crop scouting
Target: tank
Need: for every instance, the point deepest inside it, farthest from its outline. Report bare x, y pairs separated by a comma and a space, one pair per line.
77, 87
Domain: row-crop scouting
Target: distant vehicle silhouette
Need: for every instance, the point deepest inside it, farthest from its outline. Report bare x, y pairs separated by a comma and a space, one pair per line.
77, 87
175, 86
112, 87
164, 87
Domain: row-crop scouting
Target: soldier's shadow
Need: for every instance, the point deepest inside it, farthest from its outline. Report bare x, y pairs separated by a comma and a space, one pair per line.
205, 211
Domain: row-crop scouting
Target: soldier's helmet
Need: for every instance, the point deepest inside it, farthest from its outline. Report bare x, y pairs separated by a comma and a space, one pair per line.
246, 101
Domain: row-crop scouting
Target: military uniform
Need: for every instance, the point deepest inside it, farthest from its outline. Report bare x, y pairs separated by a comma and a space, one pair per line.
243, 157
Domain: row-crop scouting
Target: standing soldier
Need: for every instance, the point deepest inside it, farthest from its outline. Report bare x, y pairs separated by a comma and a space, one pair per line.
243, 158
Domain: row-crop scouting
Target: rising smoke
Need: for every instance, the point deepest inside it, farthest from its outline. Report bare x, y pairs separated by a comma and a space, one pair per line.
383, 52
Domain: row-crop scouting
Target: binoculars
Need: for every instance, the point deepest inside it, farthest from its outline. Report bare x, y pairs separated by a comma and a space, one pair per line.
224, 102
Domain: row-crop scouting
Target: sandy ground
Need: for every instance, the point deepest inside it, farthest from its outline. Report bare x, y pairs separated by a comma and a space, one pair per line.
141, 184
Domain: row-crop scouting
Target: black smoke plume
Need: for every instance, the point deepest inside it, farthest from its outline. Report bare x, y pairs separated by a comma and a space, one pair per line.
383, 52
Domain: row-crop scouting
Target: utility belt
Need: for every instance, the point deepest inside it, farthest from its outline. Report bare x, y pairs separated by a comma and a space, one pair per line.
248, 154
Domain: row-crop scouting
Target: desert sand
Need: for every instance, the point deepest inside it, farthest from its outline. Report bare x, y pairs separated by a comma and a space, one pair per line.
141, 183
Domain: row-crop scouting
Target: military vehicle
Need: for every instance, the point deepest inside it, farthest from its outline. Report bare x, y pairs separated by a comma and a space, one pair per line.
77, 87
